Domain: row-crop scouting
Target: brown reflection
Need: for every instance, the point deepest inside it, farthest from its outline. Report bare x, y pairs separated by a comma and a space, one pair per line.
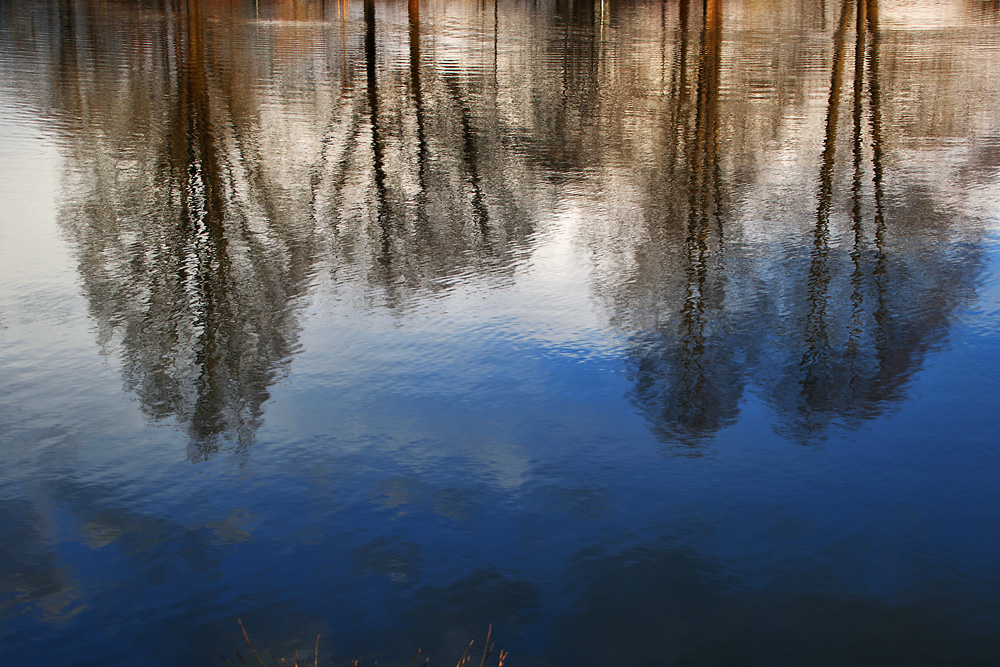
196, 275
686, 379
445, 197
850, 372
218, 166
378, 159
209, 186
828, 325
816, 360
416, 92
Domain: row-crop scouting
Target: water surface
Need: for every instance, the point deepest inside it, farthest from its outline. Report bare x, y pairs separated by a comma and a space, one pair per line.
648, 332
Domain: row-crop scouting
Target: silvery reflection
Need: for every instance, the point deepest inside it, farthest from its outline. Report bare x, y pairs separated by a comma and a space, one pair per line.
432, 257
201, 222
784, 260
749, 230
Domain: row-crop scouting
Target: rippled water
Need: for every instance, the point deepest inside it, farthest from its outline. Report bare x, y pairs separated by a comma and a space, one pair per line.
649, 332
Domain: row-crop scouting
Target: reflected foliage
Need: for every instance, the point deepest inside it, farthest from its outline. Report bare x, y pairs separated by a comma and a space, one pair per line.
830, 322
206, 195
688, 376
774, 208
225, 158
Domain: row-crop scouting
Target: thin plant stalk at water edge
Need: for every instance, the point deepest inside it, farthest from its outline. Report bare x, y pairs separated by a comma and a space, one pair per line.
464, 660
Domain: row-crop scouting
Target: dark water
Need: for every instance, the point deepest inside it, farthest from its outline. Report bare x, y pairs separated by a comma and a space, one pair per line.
650, 333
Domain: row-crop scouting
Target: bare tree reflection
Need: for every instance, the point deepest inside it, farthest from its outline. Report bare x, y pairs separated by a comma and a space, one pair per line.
199, 226
872, 314
198, 276
711, 313
219, 167
687, 379
446, 198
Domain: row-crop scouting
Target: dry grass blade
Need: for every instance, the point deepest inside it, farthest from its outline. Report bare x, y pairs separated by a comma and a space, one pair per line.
486, 648
461, 659
250, 644
465, 660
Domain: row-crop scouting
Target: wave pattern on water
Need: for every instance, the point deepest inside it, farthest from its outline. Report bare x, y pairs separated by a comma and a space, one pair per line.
500, 312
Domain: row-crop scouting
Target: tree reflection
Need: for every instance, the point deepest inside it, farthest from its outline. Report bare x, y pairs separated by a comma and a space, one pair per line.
185, 255
442, 198
711, 312
687, 379
219, 167
201, 218
871, 315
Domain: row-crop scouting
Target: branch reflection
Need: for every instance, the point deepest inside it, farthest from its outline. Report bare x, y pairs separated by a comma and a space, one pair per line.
225, 158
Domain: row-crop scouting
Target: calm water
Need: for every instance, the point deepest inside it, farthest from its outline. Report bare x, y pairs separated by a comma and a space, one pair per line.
649, 332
